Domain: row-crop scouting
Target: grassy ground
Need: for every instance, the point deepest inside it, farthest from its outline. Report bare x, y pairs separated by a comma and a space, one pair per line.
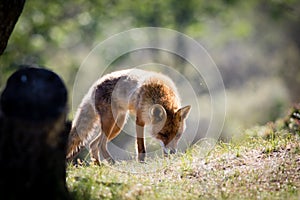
264, 164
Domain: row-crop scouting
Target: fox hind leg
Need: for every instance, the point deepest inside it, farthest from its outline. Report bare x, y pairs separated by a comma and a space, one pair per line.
99, 145
94, 150
110, 129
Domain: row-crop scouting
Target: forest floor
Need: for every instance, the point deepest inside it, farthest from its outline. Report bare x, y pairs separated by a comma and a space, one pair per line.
263, 164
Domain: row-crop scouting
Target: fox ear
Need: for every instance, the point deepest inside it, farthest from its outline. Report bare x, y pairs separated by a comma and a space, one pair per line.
184, 112
157, 114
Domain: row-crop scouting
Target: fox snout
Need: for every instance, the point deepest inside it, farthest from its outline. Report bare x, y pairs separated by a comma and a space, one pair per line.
173, 151
168, 149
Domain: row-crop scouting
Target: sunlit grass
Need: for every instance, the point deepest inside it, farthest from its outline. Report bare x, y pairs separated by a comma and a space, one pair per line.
264, 164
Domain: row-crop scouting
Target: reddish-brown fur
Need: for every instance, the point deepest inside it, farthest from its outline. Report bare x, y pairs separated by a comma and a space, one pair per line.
152, 97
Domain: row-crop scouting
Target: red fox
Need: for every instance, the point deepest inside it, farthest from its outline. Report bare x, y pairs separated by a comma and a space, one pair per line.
150, 96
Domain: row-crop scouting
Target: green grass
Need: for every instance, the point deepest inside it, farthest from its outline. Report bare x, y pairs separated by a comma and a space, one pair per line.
263, 164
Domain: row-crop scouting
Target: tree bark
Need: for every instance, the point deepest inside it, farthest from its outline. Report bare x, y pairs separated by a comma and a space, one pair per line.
10, 10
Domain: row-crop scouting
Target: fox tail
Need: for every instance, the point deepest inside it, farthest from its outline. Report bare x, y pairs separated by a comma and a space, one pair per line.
84, 125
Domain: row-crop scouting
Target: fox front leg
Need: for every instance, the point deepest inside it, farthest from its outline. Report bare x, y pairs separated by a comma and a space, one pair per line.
140, 140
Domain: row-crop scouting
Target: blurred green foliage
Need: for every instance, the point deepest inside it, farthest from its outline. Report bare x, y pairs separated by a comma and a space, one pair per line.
248, 40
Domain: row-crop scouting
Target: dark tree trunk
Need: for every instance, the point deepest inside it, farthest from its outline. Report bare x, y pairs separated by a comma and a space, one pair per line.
33, 136
10, 11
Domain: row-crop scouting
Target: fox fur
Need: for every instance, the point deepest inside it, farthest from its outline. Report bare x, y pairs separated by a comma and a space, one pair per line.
152, 97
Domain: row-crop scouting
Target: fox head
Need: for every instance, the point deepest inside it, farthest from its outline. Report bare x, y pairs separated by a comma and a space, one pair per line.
168, 127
